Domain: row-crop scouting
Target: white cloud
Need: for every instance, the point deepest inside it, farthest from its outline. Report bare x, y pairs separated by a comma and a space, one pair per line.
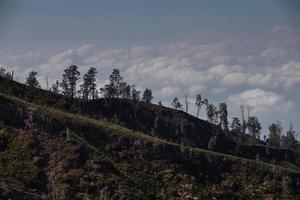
233, 79
169, 91
262, 102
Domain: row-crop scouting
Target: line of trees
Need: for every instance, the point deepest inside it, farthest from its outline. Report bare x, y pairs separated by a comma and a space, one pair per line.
241, 128
116, 88
5, 74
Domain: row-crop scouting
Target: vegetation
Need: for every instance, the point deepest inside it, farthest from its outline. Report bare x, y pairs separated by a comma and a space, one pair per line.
31, 81
69, 81
137, 172
87, 150
147, 96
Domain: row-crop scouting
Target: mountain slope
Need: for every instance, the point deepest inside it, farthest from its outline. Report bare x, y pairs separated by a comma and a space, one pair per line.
76, 157
158, 121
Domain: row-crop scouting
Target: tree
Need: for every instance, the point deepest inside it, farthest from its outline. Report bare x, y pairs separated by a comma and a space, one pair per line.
2, 72
69, 81
7, 75
147, 96
186, 103
211, 111
135, 94
254, 128
223, 116
116, 86
199, 103
55, 87
176, 103
274, 137
289, 141
125, 90
236, 126
116, 79
91, 75
107, 91
88, 88
31, 80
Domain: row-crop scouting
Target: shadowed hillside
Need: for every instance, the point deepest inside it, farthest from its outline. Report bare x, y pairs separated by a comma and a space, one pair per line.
76, 157
158, 121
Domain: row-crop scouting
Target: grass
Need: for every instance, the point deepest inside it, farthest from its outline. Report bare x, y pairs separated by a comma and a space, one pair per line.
111, 128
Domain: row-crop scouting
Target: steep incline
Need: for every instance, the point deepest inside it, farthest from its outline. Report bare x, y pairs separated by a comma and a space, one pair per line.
76, 157
158, 121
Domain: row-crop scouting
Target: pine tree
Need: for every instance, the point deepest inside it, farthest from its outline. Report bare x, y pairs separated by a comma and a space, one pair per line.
69, 81
92, 82
116, 79
116, 88
88, 88
31, 80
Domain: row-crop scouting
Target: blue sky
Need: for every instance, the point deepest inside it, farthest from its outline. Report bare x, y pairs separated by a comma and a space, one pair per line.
237, 51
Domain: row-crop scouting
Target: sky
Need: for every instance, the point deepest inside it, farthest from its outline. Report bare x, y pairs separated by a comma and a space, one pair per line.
242, 52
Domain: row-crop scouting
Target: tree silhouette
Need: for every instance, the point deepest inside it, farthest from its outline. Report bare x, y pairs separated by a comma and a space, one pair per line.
31, 80
199, 103
88, 88
55, 87
211, 111
176, 103
254, 128
147, 96
69, 81
274, 137
223, 116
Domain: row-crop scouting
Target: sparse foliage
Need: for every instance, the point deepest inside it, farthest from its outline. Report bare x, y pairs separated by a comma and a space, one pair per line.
223, 116
254, 128
135, 94
116, 88
236, 126
199, 103
55, 87
147, 95
176, 103
32, 81
274, 136
125, 90
211, 112
289, 141
5, 74
2, 72
88, 88
69, 81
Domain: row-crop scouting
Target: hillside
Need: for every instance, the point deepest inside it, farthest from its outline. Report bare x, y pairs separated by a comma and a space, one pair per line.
158, 121
48, 153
